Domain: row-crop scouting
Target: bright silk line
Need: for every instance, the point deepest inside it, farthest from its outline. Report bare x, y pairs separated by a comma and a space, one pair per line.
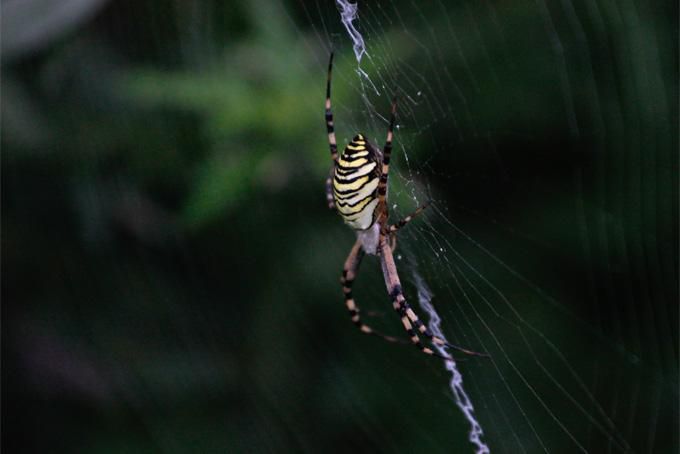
348, 12
456, 384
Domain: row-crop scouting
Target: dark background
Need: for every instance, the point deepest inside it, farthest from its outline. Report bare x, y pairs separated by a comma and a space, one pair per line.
170, 272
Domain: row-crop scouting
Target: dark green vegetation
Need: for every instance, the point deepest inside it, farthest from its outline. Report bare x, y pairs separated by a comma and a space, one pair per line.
170, 271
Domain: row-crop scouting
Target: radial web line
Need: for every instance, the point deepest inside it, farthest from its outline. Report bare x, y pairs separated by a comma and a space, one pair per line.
459, 272
515, 369
611, 429
456, 384
549, 299
480, 339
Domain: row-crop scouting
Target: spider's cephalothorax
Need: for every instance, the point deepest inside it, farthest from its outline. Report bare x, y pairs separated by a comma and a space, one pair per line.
357, 189
355, 183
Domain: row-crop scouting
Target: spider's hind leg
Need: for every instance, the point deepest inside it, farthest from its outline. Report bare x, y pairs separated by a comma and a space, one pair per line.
400, 305
408, 317
347, 279
424, 330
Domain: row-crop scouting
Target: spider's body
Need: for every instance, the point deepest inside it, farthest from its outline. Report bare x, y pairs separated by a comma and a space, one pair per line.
355, 183
357, 189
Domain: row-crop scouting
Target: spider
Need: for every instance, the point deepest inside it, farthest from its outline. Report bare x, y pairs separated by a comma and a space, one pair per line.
357, 189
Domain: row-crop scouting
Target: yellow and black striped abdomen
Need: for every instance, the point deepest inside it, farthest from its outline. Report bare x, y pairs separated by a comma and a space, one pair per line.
355, 183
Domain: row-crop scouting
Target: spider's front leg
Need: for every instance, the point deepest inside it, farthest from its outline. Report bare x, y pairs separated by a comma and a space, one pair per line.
330, 127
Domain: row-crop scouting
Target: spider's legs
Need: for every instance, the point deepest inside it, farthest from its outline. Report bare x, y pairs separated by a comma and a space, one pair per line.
394, 288
394, 227
434, 339
387, 154
329, 114
329, 189
348, 275
408, 317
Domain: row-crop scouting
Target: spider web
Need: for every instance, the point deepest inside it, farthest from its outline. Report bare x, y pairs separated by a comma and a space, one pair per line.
580, 358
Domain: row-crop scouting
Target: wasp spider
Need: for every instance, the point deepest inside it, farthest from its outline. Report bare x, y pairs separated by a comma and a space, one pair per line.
357, 189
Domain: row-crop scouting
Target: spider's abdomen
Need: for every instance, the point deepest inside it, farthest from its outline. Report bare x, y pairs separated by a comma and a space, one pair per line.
355, 183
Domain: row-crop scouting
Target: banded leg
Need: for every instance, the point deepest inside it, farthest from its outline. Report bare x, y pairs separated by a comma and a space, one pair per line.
408, 317
422, 328
348, 275
389, 269
387, 154
330, 200
329, 114
394, 227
